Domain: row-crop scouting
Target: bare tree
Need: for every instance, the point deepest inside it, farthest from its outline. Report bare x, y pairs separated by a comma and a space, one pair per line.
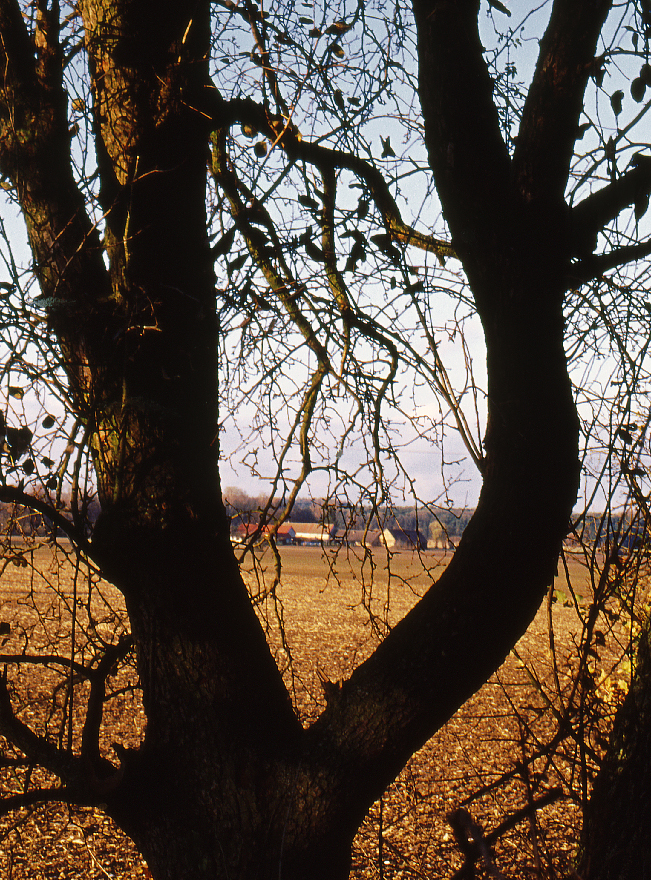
216, 221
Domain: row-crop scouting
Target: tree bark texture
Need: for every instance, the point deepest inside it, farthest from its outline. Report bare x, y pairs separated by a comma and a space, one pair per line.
617, 835
227, 783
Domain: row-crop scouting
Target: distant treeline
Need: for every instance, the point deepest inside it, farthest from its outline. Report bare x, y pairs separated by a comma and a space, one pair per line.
432, 522
435, 523
626, 530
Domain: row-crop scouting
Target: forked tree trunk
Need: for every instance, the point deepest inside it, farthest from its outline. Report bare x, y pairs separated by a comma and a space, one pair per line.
227, 783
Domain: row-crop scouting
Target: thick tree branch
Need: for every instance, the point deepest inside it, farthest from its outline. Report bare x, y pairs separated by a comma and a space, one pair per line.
35, 156
461, 631
88, 776
93, 768
13, 495
47, 660
467, 153
590, 216
282, 132
594, 266
96, 698
550, 119
463, 628
325, 158
17, 61
71, 768
36, 796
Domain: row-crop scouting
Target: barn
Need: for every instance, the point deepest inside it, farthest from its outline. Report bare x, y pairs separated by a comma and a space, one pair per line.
242, 532
404, 539
312, 533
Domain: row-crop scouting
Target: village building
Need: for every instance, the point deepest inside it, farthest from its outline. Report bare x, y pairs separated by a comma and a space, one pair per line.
403, 539
358, 537
312, 533
284, 535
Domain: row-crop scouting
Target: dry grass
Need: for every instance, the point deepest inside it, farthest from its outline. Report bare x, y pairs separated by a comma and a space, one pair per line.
328, 630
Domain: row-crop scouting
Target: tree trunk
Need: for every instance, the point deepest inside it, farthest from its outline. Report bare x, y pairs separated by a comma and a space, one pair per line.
617, 834
220, 787
227, 783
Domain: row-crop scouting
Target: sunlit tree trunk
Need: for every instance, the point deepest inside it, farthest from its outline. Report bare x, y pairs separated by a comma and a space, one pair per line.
617, 835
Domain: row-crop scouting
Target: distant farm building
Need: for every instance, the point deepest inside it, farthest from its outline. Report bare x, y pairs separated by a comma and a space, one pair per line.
284, 535
359, 537
403, 539
312, 533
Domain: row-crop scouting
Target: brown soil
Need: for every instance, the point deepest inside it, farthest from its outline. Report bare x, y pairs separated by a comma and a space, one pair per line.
481, 761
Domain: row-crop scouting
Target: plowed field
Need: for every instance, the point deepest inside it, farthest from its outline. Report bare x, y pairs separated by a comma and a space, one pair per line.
483, 760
